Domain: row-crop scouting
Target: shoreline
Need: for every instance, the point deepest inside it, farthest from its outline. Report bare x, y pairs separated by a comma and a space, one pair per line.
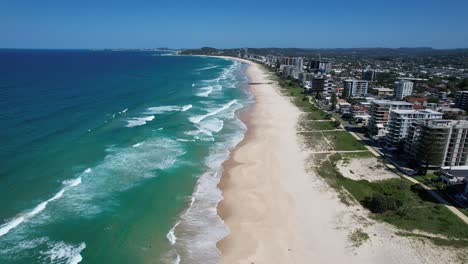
278, 210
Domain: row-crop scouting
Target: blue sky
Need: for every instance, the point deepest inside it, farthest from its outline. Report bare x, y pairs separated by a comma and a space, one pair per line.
236, 23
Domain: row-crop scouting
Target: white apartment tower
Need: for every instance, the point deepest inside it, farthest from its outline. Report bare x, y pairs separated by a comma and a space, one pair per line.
403, 88
401, 120
356, 88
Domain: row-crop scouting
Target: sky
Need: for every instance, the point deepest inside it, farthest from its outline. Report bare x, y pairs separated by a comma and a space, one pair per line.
69, 24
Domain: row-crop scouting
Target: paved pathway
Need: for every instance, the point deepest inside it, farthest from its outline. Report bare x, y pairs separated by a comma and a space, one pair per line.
336, 151
315, 131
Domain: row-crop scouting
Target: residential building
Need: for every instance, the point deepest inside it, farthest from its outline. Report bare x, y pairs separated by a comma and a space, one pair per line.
400, 121
344, 107
298, 62
339, 91
317, 84
359, 110
288, 70
383, 92
323, 66
461, 100
379, 114
403, 88
322, 84
355, 88
369, 75
286, 60
437, 143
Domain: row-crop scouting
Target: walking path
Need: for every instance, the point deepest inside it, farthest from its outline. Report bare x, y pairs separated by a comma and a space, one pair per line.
315, 131
337, 151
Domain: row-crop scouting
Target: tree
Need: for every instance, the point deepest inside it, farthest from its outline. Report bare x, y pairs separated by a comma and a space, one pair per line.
333, 101
453, 115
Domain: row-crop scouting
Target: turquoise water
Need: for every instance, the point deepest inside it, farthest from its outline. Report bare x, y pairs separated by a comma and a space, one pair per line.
114, 157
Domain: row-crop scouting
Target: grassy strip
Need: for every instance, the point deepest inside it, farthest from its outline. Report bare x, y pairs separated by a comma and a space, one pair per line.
311, 125
342, 140
316, 115
457, 243
417, 210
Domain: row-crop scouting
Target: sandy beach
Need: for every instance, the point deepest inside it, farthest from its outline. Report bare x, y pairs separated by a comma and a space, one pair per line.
277, 211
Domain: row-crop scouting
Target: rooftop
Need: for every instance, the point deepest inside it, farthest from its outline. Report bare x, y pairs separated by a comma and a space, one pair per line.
383, 89
391, 102
413, 111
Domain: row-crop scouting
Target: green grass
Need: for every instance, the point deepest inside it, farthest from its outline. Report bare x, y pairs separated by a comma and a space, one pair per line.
457, 243
310, 125
426, 179
357, 155
342, 140
358, 237
317, 115
418, 209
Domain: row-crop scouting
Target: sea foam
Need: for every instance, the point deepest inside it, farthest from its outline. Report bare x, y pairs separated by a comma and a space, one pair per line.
139, 121
61, 252
8, 226
205, 91
197, 119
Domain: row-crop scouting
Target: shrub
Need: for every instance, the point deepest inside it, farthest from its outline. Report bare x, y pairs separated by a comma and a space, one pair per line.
379, 203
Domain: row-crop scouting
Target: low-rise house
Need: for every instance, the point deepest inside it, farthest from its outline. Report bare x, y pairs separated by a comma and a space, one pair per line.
339, 91
418, 102
344, 108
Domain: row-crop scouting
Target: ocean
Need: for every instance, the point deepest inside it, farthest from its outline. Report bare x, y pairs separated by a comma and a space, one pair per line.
115, 156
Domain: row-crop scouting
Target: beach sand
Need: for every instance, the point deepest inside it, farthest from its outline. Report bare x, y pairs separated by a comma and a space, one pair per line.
278, 212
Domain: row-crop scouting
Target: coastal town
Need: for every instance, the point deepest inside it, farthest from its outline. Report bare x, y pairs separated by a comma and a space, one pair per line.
419, 124
387, 132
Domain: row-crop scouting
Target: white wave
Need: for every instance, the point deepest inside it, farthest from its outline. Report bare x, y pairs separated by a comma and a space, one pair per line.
200, 226
193, 84
171, 234
88, 170
77, 181
162, 109
205, 91
137, 144
60, 252
139, 121
184, 140
177, 260
212, 125
207, 68
125, 110
185, 107
5, 228
197, 119
122, 169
